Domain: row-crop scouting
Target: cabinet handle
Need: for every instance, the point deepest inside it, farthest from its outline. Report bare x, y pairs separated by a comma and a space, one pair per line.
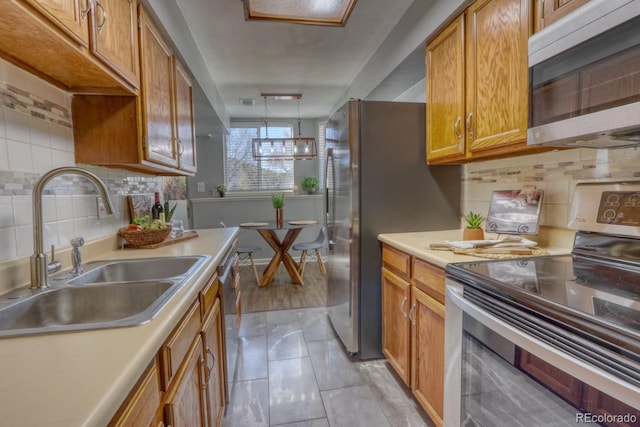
412, 314
403, 307
205, 381
85, 12
213, 361
180, 147
456, 128
468, 122
104, 16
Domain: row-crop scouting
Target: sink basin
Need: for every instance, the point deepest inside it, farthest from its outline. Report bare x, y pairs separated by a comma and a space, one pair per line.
86, 307
137, 269
110, 294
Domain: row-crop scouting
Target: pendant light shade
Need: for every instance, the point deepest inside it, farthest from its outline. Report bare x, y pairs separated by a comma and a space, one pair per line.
298, 148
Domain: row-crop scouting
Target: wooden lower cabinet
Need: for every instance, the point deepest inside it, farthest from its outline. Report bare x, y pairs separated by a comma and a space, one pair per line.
413, 326
184, 405
184, 385
212, 341
582, 396
427, 353
566, 386
395, 323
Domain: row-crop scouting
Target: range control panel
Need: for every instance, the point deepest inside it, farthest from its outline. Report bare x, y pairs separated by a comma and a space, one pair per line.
619, 208
607, 207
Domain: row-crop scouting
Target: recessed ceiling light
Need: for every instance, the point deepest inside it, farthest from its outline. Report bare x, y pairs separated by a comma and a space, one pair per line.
282, 96
312, 12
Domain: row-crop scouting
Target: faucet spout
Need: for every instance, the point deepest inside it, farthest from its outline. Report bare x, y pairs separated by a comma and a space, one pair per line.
39, 273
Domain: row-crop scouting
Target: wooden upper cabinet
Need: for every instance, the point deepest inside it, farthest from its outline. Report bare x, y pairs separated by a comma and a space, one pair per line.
146, 128
156, 70
71, 16
477, 84
549, 11
497, 73
52, 39
184, 126
114, 39
445, 92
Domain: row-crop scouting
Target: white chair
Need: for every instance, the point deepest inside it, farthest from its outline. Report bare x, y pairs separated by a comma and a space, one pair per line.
315, 245
247, 252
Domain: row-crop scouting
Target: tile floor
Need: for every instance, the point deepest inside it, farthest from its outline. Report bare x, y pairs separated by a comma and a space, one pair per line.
293, 371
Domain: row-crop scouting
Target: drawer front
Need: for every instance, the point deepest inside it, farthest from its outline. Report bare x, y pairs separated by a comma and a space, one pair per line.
429, 279
209, 295
141, 405
177, 345
396, 261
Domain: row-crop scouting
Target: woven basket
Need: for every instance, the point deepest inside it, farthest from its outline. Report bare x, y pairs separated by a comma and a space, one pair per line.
145, 237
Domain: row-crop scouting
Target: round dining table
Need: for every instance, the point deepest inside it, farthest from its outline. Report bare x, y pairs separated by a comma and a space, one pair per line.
267, 230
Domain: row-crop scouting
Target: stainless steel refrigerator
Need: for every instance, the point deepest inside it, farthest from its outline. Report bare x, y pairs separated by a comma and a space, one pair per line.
377, 181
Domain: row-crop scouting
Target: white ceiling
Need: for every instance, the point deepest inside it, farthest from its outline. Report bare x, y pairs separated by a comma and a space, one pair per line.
379, 54
247, 58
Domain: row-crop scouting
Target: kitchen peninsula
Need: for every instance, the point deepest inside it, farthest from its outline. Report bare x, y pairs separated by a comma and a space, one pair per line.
82, 378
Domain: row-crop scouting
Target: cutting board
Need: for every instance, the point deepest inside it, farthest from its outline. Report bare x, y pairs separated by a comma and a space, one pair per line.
187, 235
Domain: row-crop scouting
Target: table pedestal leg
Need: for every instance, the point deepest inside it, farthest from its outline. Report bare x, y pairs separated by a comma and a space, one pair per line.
281, 255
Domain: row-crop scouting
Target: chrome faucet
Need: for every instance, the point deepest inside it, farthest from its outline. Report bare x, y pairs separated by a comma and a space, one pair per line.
39, 265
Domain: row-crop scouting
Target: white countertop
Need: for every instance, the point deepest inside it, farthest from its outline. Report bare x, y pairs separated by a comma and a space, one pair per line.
417, 244
81, 378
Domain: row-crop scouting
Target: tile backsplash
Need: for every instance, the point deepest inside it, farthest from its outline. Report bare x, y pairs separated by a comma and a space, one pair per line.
36, 135
555, 172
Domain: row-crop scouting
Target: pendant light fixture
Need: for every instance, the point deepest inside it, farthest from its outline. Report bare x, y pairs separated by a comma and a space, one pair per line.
298, 148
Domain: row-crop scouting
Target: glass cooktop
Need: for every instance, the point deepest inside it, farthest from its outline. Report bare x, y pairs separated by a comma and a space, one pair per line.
590, 289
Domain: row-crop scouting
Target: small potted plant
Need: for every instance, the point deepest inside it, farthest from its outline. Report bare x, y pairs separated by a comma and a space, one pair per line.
310, 184
473, 230
277, 199
221, 189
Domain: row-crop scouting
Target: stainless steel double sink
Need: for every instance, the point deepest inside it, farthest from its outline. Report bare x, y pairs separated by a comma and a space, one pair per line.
109, 294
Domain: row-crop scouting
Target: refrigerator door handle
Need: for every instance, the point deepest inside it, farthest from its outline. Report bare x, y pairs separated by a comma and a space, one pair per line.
329, 197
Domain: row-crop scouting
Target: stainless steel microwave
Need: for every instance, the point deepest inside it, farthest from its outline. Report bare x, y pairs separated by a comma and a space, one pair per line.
584, 78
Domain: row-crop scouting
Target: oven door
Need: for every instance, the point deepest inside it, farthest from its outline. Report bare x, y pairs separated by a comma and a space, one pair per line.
531, 383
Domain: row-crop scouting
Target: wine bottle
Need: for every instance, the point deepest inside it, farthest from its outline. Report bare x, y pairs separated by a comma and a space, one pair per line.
157, 211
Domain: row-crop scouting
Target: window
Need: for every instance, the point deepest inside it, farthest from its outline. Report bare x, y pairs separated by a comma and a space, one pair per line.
244, 173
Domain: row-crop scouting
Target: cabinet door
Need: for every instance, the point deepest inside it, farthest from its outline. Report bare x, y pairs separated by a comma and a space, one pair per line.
395, 323
563, 384
156, 78
114, 41
601, 404
71, 16
184, 405
446, 93
185, 134
497, 74
549, 11
427, 353
212, 339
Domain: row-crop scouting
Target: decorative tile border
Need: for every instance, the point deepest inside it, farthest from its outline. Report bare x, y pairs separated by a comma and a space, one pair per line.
612, 164
25, 102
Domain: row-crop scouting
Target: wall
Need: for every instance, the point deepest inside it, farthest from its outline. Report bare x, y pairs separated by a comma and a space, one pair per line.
555, 172
208, 213
36, 136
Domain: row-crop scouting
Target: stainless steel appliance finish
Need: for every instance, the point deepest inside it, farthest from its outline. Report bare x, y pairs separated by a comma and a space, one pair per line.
230, 321
377, 182
583, 78
579, 313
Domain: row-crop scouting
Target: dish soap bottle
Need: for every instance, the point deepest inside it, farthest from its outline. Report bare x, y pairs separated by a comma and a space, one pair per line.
157, 211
